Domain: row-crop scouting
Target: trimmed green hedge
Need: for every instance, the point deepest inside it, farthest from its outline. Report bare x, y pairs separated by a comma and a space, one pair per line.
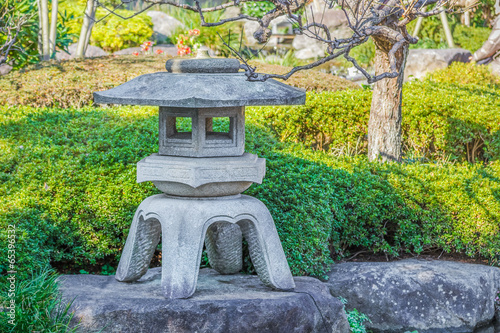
452, 115
68, 184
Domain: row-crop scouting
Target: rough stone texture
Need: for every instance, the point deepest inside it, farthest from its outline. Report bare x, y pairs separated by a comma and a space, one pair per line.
202, 141
163, 25
183, 224
192, 176
215, 65
167, 49
334, 19
5, 69
222, 303
92, 52
224, 250
495, 66
428, 296
423, 61
200, 90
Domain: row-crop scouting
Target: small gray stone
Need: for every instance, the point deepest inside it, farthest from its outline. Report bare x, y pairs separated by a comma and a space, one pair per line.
336, 22
428, 296
163, 25
222, 303
5, 69
422, 61
92, 52
210, 65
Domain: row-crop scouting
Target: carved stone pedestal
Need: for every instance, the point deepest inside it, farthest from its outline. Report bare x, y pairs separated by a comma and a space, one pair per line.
183, 224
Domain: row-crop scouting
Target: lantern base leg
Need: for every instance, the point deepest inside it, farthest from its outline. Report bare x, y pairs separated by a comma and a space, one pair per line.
183, 224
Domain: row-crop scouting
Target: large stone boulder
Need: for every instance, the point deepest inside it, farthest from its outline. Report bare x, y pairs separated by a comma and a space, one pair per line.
163, 25
428, 296
92, 52
423, 61
334, 19
221, 303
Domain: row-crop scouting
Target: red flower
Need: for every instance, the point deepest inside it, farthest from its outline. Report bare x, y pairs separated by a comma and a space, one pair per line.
145, 48
182, 51
148, 43
194, 32
135, 53
158, 51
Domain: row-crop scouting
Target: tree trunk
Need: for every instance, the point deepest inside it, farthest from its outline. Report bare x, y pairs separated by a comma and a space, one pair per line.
384, 127
44, 24
53, 27
86, 29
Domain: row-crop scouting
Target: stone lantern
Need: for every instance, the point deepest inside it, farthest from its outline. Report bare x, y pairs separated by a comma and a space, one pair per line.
202, 174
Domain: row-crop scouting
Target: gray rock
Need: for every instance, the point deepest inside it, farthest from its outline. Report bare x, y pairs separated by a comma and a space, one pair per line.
168, 49
495, 66
428, 296
203, 65
222, 303
92, 52
422, 61
334, 19
163, 25
5, 69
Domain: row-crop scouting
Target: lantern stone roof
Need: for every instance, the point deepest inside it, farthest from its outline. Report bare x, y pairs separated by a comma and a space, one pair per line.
200, 83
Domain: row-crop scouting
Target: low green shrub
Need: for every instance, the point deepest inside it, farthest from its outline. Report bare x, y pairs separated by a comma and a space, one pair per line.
111, 33
470, 38
451, 115
68, 184
257, 9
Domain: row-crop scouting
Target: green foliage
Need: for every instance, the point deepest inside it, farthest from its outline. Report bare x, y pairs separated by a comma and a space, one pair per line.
115, 33
364, 53
355, 318
38, 305
68, 184
26, 50
470, 38
112, 33
452, 115
257, 9
432, 34
483, 13
212, 37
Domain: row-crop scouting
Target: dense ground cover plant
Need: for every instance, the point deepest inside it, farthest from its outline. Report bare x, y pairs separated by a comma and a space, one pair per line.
112, 33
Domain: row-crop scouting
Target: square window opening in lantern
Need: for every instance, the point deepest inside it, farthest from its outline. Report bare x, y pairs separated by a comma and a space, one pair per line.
179, 128
219, 128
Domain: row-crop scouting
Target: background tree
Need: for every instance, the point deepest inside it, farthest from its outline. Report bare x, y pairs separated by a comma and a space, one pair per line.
384, 21
12, 22
86, 31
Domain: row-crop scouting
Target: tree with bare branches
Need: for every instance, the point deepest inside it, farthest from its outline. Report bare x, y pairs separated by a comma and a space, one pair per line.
384, 21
